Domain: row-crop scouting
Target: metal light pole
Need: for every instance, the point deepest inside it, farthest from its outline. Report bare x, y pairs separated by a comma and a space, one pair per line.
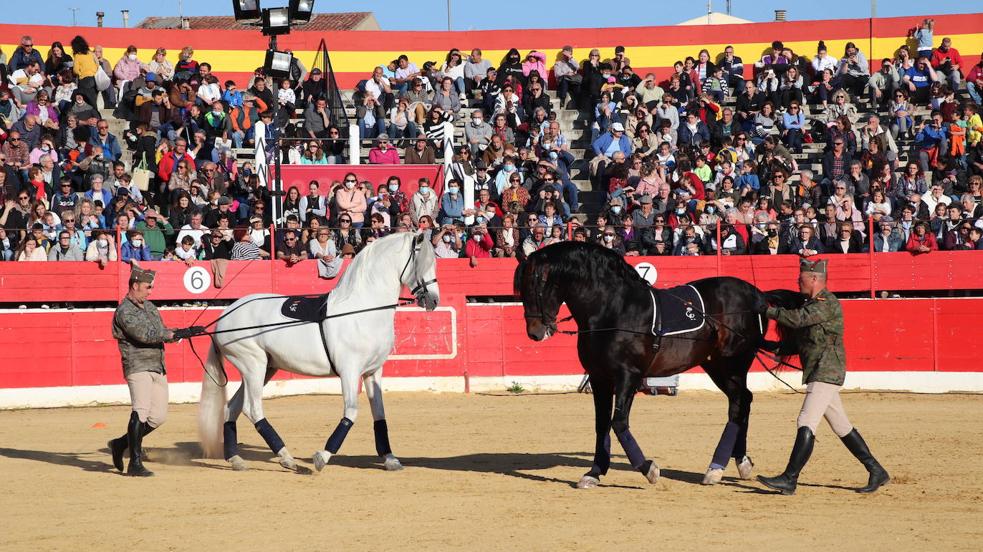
448, 15
75, 12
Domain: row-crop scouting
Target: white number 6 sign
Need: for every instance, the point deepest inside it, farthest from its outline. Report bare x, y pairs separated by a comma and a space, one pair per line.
196, 280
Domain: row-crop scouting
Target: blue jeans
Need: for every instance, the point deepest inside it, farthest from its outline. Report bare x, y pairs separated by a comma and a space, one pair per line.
459, 85
974, 92
410, 131
563, 162
373, 131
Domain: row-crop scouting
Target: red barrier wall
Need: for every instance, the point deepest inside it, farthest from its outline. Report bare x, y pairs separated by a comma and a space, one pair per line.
77, 282
409, 175
73, 348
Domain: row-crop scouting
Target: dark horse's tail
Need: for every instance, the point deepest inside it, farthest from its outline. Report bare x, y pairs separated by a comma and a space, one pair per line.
787, 299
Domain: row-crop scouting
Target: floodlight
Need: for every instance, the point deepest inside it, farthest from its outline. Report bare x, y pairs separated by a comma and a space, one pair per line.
277, 63
301, 10
246, 10
276, 21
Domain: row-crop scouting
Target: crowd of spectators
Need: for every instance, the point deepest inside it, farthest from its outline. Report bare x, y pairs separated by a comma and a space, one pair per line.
716, 144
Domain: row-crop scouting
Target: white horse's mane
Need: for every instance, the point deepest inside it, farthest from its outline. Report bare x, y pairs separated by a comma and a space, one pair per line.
377, 257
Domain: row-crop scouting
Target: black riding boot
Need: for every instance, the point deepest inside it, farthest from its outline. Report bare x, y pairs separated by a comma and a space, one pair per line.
801, 452
134, 435
878, 475
118, 446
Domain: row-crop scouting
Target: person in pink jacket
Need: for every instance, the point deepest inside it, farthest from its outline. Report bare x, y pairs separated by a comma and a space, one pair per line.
383, 153
350, 199
535, 61
129, 67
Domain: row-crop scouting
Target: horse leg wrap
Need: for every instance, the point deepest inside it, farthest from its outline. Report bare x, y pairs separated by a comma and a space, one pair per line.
269, 435
602, 455
381, 430
725, 448
635, 456
230, 439
338, 436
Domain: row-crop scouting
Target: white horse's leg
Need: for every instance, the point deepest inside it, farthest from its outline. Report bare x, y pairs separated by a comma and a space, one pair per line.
230, 434
373, 390
253, 407
349, 392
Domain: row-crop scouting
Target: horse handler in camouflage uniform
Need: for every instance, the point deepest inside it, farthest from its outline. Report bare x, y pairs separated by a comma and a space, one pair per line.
141, 335
818, 328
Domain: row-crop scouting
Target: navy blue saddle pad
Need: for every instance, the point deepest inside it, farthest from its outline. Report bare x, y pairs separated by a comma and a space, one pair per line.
308, 308
682, 310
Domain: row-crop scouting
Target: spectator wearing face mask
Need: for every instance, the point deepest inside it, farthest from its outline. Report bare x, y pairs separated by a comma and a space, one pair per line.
135, 248
424, 201
350, 200
452, 204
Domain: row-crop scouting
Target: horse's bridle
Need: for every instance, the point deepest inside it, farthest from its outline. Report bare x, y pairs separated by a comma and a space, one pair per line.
420, 291
540, 284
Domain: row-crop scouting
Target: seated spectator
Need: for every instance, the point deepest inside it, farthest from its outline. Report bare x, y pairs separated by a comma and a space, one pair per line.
847, 240
447, 243
216, 245
883, 84
350, 199
402, 121
806, 244
605, 147
853, 71
918, 80
246, 249
134, 249
64, 250
446, 98
478, 133
422, 152
947, 62
694, 132
383, 153
888, 239
475, 70
793, 124
974, 82
101, 249
976, 238
371, 118
921, 240
932, 143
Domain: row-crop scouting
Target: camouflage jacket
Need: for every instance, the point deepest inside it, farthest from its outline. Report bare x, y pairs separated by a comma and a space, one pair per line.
818, 326
140, 333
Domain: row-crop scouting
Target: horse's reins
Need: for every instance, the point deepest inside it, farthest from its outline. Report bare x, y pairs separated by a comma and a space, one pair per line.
420, 293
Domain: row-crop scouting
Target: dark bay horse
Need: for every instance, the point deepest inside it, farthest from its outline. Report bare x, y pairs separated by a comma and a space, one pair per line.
614, 309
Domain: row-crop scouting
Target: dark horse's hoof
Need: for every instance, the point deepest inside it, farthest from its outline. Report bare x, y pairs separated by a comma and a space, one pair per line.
588, 482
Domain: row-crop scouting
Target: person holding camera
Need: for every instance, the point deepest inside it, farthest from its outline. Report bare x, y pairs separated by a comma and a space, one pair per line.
947, 61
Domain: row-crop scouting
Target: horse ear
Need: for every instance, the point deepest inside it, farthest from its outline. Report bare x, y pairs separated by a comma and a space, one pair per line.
418, 239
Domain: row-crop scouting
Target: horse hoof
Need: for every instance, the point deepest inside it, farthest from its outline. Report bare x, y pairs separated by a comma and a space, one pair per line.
286, 461
392, 463
238, 464
588, 482
653, 474
713, 476
321, 459
744, 467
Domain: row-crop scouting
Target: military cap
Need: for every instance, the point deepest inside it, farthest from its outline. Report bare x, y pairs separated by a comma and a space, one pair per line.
139, 275
818, 267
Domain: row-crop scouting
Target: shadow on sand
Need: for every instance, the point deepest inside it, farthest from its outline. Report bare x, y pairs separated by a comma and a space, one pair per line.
511, 464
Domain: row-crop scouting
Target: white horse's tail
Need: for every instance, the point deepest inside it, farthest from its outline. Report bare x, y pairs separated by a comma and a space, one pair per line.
211, 409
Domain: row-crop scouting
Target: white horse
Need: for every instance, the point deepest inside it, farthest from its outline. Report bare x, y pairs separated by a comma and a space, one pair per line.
357, 338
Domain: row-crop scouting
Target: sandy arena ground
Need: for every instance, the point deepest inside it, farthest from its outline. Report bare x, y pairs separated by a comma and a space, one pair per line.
496, 472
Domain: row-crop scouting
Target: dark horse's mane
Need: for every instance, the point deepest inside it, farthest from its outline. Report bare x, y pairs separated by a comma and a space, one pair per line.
573, 261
